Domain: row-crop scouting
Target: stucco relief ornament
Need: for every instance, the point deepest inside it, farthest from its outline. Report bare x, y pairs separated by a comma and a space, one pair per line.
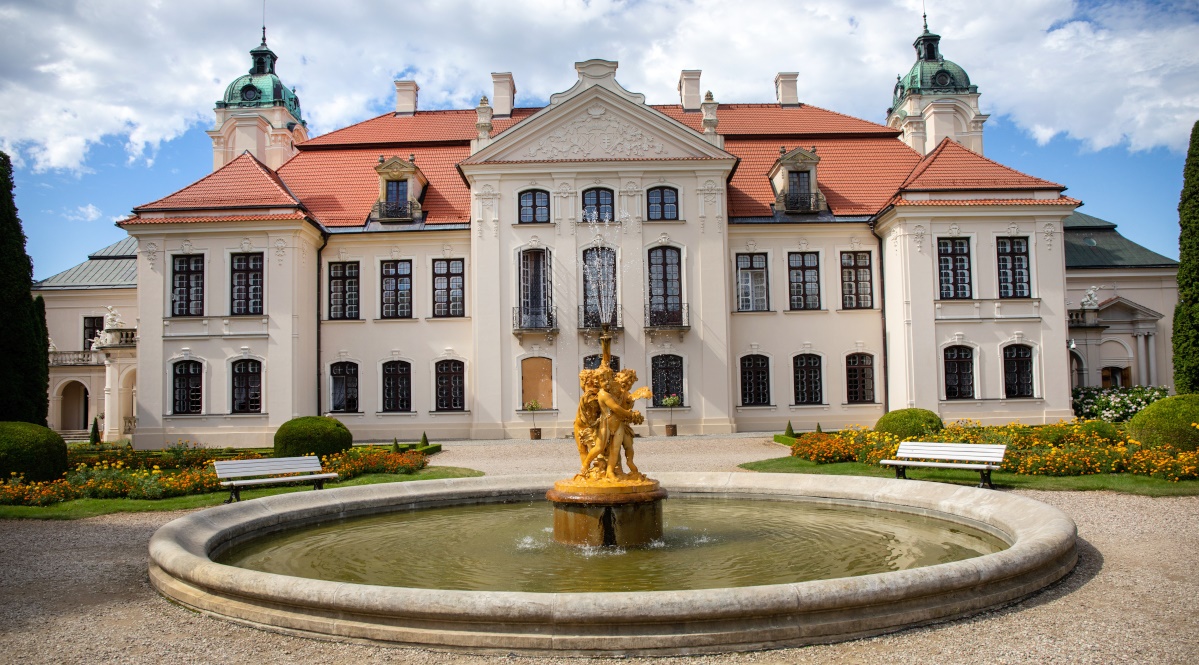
954, 230
597, 133
152, 252
1013, 229
446, 250
246, 245
342, 253
751, 245
186, 247
802, 244
918, 236
664, 239
896, 236
1047, 233
395, 251
534, 242
710, 191
855, 243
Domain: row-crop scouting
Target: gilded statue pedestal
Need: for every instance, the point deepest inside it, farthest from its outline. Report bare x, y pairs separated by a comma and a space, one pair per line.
623, 513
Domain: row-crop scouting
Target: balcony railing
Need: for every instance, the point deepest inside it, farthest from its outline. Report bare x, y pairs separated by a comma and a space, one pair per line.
117, 337
129, 425
1075, 317
589, 319
667, 317
67, 358
800, 203
541, 319
393, 211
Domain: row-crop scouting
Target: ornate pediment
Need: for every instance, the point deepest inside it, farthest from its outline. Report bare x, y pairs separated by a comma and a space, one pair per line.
598, 125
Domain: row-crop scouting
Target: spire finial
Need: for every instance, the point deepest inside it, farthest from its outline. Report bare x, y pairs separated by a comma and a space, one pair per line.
926, 23
264, 22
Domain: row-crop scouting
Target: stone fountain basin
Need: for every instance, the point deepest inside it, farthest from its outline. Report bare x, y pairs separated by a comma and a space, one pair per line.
1041, 539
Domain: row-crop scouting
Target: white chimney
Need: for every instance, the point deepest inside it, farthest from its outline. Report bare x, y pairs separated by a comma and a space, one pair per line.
503, 96
406, 97
785, 89
689, 95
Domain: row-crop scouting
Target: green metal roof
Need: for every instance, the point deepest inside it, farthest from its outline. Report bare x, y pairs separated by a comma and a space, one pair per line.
114, 267
261, 87
1094, 243
932, 73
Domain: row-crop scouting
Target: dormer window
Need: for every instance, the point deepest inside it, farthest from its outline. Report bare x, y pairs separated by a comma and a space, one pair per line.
401, 185
794, 180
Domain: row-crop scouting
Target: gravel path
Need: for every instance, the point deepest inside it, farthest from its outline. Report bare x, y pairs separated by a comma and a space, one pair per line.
76, 592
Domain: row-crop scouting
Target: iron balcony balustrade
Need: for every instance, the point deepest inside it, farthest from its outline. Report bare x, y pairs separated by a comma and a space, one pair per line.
544, 319
800, 203
667, 317
589, 319
393, 211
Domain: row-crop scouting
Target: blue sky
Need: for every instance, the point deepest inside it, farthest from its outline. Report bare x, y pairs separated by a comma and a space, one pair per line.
104, 105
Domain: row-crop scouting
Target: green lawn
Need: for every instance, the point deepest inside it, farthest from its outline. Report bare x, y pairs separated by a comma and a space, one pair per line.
1116, 482
80, 508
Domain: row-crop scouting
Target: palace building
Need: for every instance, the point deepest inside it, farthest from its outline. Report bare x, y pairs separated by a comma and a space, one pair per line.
431, 270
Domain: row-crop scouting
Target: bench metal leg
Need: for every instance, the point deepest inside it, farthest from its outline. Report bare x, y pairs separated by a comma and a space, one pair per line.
985, 479
318, 484
234, 494
901, 472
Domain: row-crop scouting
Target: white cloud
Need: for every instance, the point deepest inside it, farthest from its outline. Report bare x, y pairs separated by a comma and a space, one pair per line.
144, 72
87, 213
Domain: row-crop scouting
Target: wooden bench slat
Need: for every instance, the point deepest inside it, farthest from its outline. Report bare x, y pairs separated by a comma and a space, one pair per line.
265, 481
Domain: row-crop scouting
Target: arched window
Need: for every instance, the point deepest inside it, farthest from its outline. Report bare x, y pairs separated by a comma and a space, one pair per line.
959, 372
663, 203
599, 285
598, 201
859, 378
534, 206
665, 287
1017, 371
809, 382
247, 386
397, 387
451, 385
189, 387
537, 382
260, 66
667, 378
755, 380
536, 301
344, 378
593, 362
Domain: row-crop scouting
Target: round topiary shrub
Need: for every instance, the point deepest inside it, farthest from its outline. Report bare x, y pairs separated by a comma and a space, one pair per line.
36, 452
1168, 421
312, 435
906, 423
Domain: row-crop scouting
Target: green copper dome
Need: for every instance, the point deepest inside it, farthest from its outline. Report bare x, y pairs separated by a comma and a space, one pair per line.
261, 88
932, 73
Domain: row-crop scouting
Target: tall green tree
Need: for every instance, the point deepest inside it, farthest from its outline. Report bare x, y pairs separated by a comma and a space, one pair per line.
1186, 312
23, 333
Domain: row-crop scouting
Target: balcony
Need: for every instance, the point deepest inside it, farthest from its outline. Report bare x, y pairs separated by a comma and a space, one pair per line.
800, 203
75, 358
667, 317
589, 319
544, 319
117, 338
395, 211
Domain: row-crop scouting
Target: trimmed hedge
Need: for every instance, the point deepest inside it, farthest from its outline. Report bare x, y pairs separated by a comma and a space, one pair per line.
1168, 422
312, 435
907, 423
36, 452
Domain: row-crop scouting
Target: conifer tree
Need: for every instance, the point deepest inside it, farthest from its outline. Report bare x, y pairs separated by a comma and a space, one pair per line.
23, 335
1186, 312
39, 381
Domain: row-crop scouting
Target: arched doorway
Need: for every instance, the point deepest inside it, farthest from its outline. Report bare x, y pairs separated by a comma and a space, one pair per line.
128, 402
73, 409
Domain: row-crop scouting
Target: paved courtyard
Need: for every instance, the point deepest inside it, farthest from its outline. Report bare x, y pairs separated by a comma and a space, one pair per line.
77, 592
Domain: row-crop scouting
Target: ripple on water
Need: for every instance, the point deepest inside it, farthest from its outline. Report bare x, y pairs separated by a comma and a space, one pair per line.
706, 543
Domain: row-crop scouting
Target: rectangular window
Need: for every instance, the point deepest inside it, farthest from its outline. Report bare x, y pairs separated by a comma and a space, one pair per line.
187, 286
396, 286
344, 376
449, 287
343, 290
451, 385
397, 191
246, 284
808, 379
805, 279
247, 386
857, 291
1014, 277
92, 326
751, 283
953, 267
859, 378
189, 387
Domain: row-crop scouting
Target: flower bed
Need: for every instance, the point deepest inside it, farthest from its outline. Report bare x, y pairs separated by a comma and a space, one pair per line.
1063, 449
118, 479
1115, 405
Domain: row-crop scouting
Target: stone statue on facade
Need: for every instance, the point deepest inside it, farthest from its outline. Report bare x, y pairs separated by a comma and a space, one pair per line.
1090, 300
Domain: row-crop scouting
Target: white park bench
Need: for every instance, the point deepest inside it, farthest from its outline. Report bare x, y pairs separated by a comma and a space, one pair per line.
248, 473
980, 457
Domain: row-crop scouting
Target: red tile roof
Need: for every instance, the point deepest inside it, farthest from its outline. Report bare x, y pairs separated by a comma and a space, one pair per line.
339, 186
137, 219
774, 120
953, 166
858, 176
244, 182
1059, 201
421, 127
